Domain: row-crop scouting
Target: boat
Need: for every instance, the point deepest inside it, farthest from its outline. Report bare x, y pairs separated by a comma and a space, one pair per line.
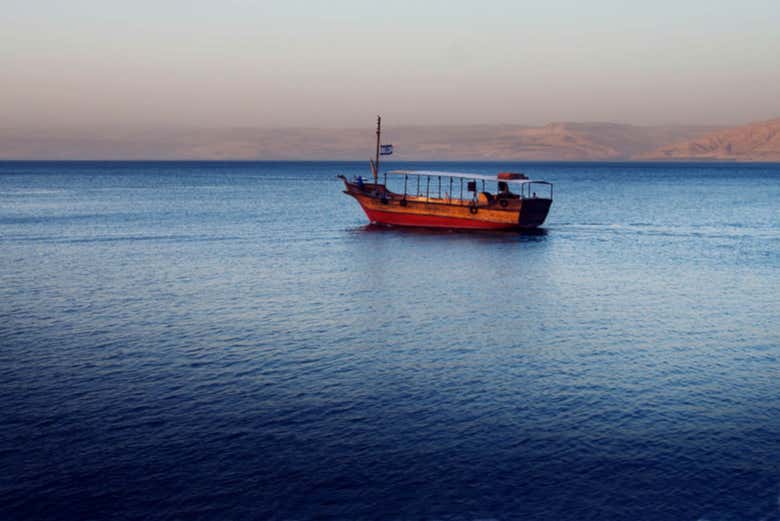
454, 200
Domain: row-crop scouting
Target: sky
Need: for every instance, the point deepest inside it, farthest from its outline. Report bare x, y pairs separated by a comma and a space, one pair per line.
337, 63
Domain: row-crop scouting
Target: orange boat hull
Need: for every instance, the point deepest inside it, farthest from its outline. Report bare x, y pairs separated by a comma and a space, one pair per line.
384, 207
433, 221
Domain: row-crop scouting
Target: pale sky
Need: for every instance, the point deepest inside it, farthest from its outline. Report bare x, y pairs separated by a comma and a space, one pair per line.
337, 63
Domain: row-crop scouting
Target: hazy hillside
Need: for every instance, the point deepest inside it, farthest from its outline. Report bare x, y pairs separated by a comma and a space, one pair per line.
555, 141
753, 142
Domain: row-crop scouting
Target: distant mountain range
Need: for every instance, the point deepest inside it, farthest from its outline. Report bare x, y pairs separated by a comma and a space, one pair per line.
753, 142
555, 141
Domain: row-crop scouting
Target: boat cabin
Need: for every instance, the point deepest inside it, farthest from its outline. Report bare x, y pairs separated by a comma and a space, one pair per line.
464, 188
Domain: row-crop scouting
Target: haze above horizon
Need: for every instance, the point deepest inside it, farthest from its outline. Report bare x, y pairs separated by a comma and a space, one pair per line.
85, 64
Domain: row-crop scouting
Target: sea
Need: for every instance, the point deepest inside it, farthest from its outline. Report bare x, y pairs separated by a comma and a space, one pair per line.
233, 341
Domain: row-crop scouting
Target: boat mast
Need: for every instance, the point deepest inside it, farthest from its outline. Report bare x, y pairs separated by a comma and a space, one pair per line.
376, 164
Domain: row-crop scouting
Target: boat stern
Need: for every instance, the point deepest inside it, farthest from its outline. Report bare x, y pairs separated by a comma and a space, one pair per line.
533, 212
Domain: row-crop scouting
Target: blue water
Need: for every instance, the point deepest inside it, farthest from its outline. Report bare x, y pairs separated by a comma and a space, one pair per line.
231, 341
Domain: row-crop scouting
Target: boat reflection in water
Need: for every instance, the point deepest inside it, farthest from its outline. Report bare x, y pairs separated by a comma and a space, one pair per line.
453, 200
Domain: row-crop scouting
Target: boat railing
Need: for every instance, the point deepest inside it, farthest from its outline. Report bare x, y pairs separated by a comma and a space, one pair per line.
458, 189
464, 190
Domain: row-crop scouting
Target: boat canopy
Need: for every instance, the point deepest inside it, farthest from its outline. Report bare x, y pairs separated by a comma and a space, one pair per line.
465, 175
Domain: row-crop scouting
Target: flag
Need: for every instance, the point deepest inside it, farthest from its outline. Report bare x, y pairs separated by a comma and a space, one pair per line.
386, 150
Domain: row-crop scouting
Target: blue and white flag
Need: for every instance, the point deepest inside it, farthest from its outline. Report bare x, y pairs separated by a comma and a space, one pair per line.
386, 150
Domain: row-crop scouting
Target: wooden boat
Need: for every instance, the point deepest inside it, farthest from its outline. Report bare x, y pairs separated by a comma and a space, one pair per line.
438, 200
